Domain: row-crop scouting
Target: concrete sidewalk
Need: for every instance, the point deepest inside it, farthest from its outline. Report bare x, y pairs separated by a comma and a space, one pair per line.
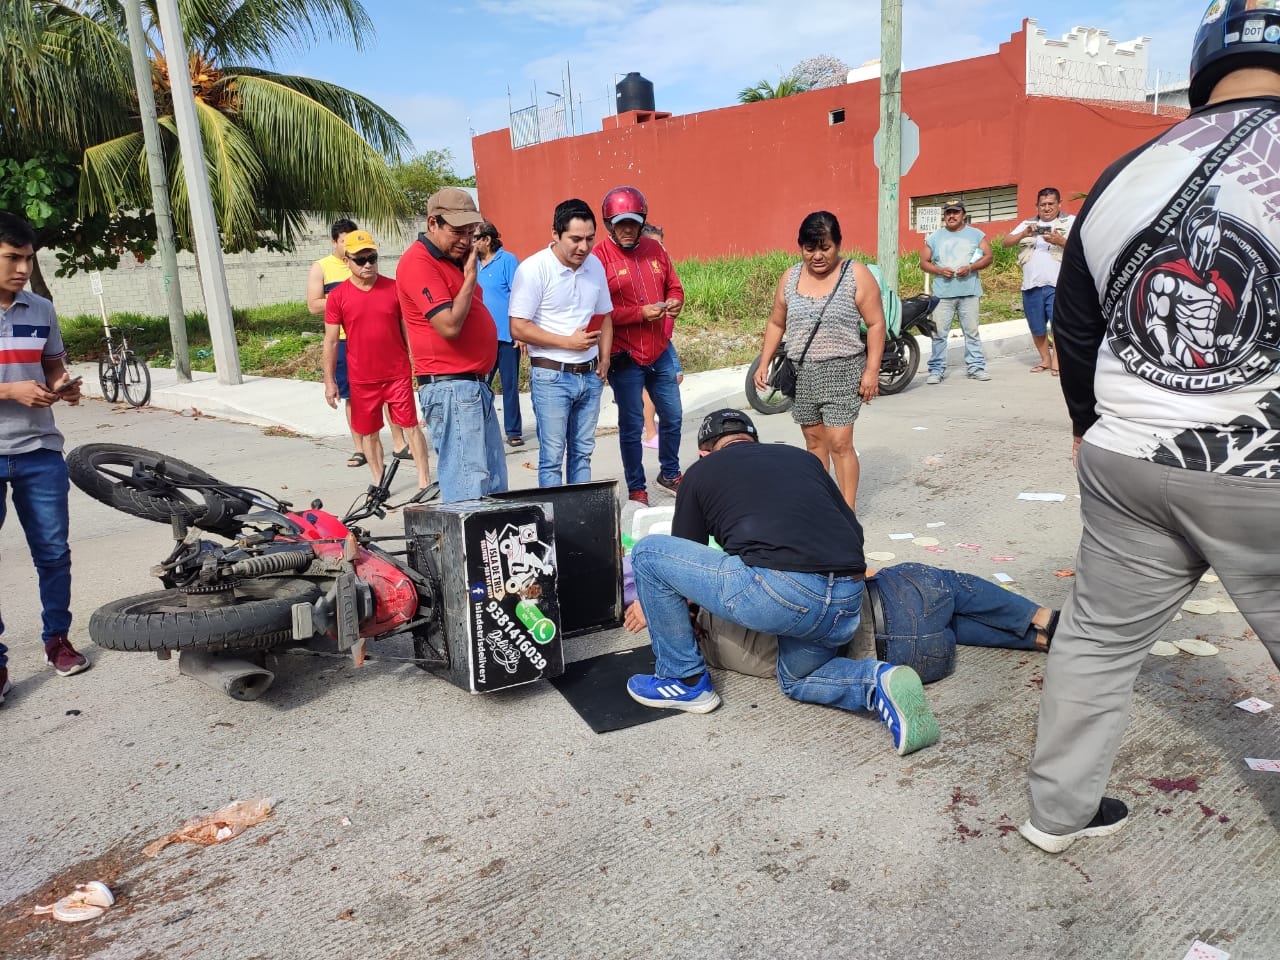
299, 405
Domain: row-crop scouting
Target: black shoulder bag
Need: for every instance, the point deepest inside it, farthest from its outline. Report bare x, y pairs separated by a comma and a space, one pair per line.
785, 372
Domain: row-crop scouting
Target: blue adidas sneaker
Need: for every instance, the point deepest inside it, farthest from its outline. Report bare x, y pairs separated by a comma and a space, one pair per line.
674, 694
899, 701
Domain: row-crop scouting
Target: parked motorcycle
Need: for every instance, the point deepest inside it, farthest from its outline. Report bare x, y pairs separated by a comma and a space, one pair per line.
898, 364
286, 575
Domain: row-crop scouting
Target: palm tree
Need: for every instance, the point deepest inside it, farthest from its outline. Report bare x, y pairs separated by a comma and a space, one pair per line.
276, 146
786, 87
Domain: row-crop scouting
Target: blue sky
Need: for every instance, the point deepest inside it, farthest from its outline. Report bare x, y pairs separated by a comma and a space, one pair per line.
444, 68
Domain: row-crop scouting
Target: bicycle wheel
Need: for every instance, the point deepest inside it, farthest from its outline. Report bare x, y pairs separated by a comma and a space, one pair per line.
135, 379
109, 379
258, 615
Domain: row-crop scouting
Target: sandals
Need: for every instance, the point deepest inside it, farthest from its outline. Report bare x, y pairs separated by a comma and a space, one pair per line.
1039, 368
429, 492
515, 441
404, 454
357, 459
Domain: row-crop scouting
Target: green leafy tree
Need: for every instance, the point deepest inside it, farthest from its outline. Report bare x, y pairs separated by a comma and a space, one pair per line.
426, 173
277, 146
42, 190
764, 90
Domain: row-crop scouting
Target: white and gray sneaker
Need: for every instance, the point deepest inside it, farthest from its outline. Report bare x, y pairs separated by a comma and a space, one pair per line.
979, 375
934, 378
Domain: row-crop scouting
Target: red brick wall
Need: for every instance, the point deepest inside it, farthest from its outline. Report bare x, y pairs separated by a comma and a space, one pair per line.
740, 179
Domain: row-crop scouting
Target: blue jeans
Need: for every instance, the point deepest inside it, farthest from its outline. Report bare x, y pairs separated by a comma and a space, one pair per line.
567, 406
927, 611
463, 425
508, 368
39, 484
943, 317
813, 615
1037, 304
659, 378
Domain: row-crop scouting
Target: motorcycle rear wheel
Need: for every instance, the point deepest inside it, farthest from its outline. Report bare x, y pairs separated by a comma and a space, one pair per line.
104, 471
895, 377
258, 616
770, 401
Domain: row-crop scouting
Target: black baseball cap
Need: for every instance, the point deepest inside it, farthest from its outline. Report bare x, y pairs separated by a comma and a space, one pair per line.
721, 423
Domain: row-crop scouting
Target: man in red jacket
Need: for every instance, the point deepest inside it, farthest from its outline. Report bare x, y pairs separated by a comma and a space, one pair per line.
647, 298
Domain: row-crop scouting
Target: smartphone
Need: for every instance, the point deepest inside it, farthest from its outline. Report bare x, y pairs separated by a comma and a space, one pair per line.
63, 388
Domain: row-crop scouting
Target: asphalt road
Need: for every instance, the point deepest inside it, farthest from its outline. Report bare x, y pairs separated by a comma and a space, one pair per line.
415, 820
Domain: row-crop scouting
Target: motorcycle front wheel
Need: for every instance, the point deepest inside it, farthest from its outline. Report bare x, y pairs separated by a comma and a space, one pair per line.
768, 401
257, 615
900, 363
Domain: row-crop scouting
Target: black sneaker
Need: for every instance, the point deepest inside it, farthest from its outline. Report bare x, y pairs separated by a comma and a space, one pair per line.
671, 483
5, 685
1112, 815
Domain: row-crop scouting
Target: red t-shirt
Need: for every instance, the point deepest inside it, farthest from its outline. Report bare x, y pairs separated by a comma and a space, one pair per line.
376, 350
427, 282
637, 277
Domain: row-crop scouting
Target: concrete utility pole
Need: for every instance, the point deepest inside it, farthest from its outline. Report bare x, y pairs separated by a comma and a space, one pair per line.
891, 142
166, 238
208, 244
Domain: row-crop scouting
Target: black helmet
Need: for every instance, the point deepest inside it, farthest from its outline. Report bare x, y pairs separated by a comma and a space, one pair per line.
721, 424
1231, 36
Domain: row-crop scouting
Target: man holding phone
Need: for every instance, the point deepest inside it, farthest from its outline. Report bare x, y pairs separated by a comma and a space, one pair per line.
1041, 240
560, 307
33, 377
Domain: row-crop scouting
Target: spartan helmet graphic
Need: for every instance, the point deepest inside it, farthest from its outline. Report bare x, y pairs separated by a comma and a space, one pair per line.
1202, 233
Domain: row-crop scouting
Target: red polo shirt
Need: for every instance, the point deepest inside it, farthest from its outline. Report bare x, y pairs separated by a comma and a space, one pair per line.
637, 277
426, 282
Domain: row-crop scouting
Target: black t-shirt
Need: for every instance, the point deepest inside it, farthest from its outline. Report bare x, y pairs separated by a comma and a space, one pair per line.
774, 506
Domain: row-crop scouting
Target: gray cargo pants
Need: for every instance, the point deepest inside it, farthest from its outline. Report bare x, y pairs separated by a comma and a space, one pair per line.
1149, 534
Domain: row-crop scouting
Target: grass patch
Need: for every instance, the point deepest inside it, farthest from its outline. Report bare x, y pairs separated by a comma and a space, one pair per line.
727, 304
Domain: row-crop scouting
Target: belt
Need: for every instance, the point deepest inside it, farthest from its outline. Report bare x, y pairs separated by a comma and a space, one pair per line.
545, 364
424, 379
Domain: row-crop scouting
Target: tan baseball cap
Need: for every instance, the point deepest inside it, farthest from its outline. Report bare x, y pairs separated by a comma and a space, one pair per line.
454, 206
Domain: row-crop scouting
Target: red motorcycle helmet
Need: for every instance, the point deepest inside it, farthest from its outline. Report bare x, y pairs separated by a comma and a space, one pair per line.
624, 201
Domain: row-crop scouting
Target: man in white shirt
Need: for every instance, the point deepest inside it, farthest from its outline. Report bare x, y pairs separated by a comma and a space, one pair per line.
1041, 240
560, 307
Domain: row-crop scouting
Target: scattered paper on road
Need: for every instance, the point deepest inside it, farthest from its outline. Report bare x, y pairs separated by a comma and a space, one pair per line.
226, 823
1003, 559
1203, 951
1064, 573
1270, 766
1210, 578
919, 428
1004, 578
1043, 497
1163, 648
969, 546
936, 549
902, 536
1201, 606
1254, 705
880, 556
936, 524
925, 541
1196, 647
1225, 605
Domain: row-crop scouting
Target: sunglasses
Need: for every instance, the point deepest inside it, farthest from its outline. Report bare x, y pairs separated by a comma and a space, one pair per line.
366, 259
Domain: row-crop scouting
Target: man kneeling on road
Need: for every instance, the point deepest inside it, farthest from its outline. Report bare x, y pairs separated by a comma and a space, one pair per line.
792, 566
912, 615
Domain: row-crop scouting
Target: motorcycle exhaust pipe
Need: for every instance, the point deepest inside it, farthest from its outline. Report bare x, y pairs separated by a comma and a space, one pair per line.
238, 679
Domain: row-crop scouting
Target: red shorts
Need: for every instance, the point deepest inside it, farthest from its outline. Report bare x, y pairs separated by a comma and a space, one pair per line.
367, 399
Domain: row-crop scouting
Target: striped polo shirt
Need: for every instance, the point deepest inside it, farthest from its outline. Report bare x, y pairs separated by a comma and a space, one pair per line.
29, 335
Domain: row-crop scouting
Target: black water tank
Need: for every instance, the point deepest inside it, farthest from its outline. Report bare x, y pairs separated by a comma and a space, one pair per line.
635, 93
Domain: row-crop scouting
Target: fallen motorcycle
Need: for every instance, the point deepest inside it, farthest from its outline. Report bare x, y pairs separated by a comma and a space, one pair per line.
473, 585
898, 364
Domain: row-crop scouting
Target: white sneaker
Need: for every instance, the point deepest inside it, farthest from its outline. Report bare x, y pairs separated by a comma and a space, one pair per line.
934, 378
980, 375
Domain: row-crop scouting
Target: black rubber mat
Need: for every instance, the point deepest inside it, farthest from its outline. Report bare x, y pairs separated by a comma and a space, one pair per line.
597, 689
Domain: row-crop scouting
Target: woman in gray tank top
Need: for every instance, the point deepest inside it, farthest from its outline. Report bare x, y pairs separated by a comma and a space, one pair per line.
838, 373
